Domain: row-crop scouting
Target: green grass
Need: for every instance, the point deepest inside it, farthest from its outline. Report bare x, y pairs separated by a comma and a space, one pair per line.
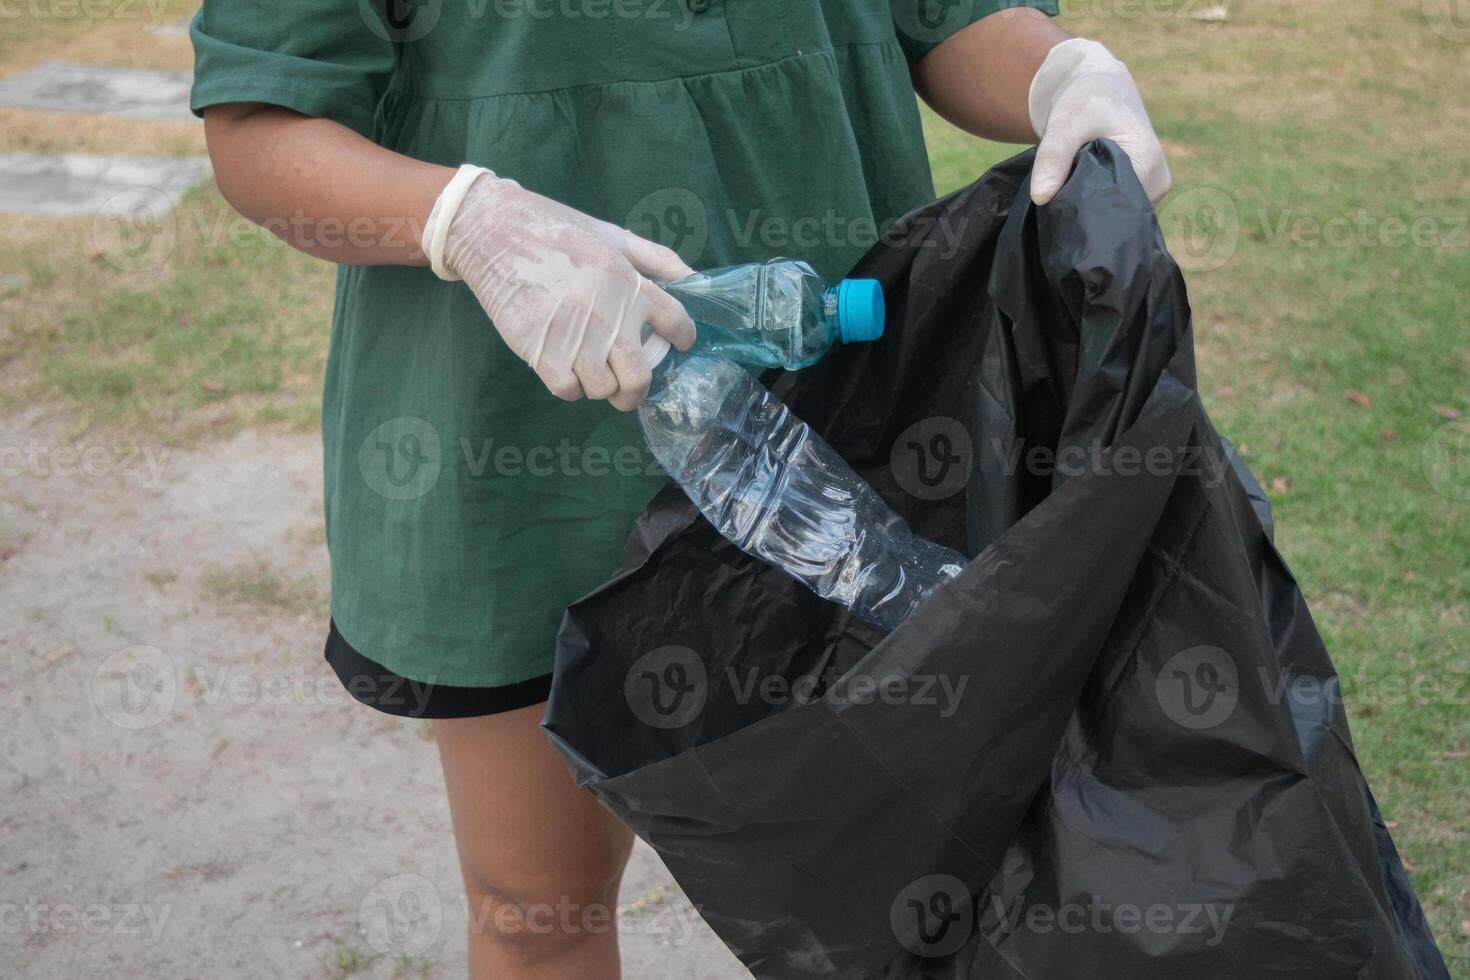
111, 31
258, 584
1298, 116
226, 329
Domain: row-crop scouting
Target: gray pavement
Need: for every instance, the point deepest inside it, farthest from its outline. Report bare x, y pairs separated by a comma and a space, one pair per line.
139, 93
185, 789
90, 184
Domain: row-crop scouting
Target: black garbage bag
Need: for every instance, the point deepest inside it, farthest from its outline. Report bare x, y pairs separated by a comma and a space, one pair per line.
1113, 747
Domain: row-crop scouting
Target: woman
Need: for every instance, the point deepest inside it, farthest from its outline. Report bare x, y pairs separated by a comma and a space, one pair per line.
469, 499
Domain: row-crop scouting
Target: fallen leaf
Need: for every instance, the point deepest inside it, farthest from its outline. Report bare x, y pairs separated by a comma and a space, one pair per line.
1281, 485
1465, 927
1387, 435
1391, 824
1357, 397
1445, 412
213, 387
1409, 866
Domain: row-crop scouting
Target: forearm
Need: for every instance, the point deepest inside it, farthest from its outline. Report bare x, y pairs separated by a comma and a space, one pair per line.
978, 79
320, 186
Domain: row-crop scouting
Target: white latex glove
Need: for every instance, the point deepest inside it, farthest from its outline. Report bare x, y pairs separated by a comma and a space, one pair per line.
568, 293
1082, 93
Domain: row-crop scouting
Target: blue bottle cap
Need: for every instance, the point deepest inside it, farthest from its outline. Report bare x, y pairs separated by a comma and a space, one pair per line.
859, 310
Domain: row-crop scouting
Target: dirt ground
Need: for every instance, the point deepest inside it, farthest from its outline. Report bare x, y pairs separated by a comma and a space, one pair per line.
185, 789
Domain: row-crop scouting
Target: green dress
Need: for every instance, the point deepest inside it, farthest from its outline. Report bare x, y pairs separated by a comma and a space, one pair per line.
466, 507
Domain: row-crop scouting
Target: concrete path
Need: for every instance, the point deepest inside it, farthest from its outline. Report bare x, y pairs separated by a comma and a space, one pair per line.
140, 93
185, 789
90, 184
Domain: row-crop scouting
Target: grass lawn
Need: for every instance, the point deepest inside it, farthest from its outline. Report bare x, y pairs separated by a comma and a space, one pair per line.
1321, 160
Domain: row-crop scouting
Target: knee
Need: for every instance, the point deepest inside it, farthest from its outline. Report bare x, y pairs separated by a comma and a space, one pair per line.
535, 918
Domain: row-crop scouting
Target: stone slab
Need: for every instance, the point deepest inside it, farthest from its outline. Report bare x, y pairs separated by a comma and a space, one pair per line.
139, 93
84, 183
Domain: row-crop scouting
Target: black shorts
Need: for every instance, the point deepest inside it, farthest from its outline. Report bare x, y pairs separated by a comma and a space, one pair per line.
378, 687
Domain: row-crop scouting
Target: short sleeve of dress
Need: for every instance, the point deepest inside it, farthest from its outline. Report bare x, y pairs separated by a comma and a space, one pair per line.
326, 58
922, 24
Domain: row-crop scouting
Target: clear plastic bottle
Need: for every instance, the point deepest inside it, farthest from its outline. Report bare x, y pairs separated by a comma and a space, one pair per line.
778, 313
775, 488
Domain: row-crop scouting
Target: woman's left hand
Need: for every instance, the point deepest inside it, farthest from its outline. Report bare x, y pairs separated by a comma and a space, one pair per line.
1082, 93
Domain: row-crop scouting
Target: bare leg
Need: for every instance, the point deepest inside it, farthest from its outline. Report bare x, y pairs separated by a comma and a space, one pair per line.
542, 860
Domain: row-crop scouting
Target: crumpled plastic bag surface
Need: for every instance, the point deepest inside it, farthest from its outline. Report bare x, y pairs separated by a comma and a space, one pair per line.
1113, 747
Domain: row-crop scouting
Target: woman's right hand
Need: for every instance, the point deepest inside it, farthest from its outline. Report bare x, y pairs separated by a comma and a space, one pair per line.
568, 293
